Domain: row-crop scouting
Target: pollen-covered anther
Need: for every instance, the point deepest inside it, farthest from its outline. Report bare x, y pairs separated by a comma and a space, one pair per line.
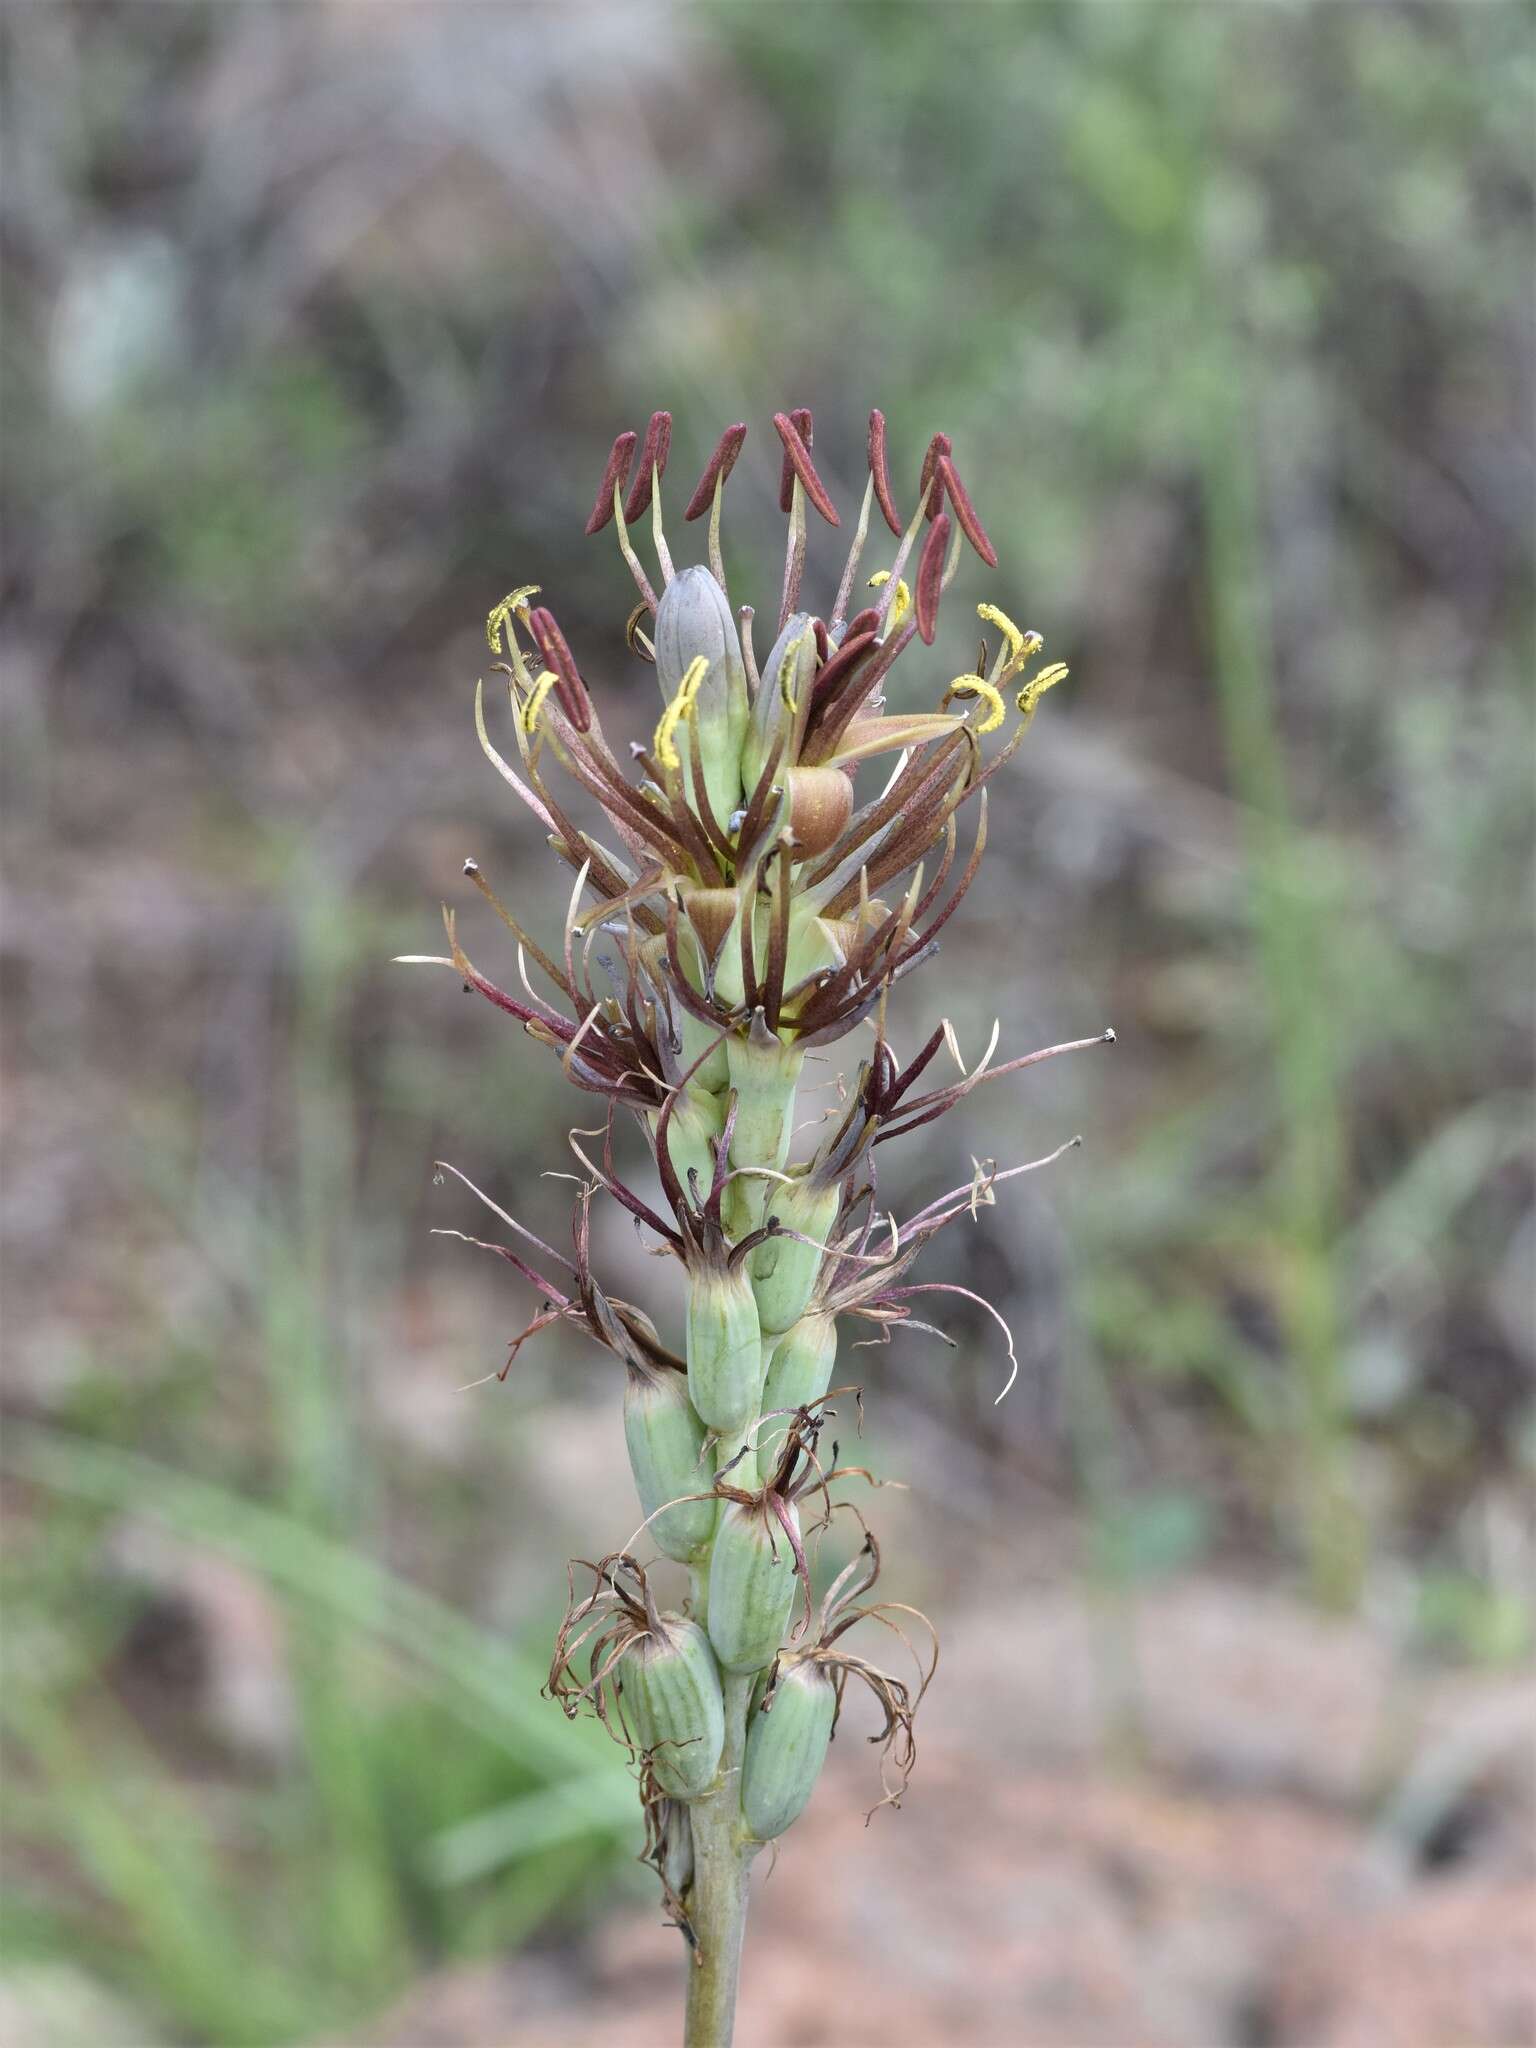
1020, 646
1029, 697
901, 603
513, 606
664, 745
544, 682
978, 686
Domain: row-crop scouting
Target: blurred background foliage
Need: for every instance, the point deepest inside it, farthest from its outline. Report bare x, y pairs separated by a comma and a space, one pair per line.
319, 320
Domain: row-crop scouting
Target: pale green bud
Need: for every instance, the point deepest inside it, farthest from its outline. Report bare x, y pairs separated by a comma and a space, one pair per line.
783, 1269
751, 1585
674, 1706
786, 1748
666, 1441
694, 619
784, 677
725, 1350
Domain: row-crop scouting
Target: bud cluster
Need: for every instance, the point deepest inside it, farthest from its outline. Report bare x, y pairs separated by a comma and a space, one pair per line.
749, 904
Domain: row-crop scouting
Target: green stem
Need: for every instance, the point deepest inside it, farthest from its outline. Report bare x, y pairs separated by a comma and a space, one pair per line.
717, 1899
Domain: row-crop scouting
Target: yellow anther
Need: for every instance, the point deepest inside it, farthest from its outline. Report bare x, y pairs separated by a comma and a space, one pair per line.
514, 604
680, 707
901, 604
1034, 690
1022, 646
543, 684
787, 667
978, 686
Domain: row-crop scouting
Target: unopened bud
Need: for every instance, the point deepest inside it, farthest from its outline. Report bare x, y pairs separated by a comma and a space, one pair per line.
694, 619
786, 675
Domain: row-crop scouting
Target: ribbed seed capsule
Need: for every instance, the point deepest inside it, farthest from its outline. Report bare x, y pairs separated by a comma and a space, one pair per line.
725, 1350
674, 1705
799, 1372
751, 1586
666, 1439
786, 1748
783, 1269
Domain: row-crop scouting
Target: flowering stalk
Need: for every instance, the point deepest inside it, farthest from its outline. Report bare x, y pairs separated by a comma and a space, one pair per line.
748, 907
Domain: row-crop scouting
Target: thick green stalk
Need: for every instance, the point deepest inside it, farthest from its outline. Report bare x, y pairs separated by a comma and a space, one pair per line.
717, 1902
722, 1848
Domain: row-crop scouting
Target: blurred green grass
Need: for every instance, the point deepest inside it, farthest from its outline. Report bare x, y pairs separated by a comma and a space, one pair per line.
1227, 311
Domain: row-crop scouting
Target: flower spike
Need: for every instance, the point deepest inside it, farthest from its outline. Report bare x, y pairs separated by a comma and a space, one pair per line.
742, 902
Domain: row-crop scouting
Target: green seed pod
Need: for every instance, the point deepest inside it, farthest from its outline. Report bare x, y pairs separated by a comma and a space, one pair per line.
694, 618
697, 1118
674, 1705
751, 1585
725, 1348
784, 1270
799, 1372
786, 1748
786, 675
666, 1441
764, 1073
